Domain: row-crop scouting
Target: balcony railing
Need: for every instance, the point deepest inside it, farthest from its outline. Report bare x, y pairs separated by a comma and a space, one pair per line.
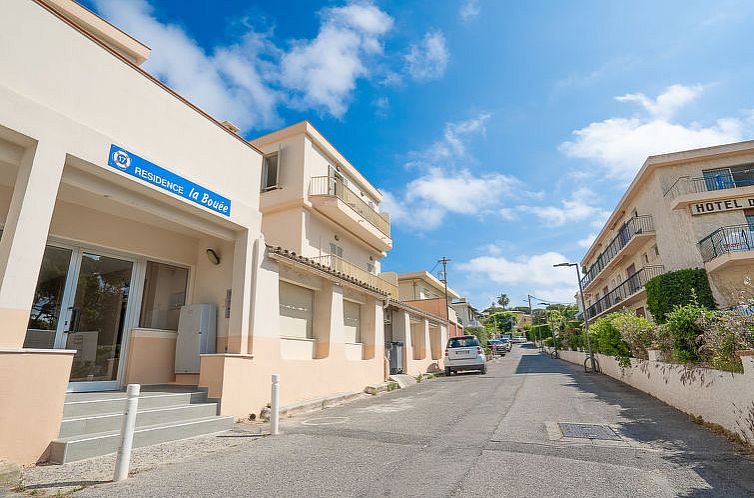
687, 185
341, 265
634, 226
628, 287
335, 187
725, 240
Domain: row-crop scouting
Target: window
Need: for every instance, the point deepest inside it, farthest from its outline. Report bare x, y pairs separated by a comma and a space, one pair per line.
352, 321
336, 250
645, 258
370, 266
164, 294
657, 251
296, 311
717, 179
270, 171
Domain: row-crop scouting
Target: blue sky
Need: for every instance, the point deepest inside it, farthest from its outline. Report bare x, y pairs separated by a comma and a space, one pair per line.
502, 133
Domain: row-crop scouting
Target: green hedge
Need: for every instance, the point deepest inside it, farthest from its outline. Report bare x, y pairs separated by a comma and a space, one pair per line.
677, 288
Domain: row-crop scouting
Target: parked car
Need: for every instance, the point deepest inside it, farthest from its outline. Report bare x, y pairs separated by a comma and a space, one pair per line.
507, 344
519, 339
464, 353
498, 347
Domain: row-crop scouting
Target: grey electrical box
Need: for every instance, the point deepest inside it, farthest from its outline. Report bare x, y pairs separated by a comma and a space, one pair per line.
197, 330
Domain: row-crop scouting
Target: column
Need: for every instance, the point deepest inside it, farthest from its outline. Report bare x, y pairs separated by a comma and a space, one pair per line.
372, 329
25, 236
244, 250
328, 321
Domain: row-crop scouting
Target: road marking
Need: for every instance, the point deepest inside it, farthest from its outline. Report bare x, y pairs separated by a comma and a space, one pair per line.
325, 421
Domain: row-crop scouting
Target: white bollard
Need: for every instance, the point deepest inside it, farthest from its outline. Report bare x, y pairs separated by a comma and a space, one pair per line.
275, 406
123, 460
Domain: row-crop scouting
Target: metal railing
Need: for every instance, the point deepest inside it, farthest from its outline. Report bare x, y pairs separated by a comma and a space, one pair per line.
341, 265
688, 185
628, 287
725, 240
634, 226
335, 187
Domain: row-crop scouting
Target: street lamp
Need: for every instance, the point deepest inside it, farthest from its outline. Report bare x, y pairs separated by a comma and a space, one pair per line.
583, 307
531, 317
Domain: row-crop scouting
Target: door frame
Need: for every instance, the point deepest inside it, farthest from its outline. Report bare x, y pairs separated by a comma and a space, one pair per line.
133, 308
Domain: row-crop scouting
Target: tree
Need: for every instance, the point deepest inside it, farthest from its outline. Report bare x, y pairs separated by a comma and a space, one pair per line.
501, 322
503, 300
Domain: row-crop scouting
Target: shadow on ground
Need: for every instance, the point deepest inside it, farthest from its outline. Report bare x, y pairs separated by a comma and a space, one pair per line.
727, 469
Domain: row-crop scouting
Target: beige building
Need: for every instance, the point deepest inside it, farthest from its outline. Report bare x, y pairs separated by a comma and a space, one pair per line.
423, 290
145, 242
690, 209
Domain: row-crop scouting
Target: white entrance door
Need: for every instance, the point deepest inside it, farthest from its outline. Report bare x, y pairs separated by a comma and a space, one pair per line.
83, 302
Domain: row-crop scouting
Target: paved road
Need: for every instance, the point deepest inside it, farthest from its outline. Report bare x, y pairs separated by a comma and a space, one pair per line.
472, 435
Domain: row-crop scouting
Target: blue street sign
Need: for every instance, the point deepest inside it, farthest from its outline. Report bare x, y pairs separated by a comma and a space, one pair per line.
142, 169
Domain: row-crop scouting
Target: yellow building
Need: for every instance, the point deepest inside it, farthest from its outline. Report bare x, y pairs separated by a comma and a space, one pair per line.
689, 209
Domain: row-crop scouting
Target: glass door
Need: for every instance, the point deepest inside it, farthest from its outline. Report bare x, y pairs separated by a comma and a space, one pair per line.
82, 302
96, 320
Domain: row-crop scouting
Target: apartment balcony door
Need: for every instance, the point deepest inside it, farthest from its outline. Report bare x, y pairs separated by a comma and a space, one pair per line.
82, 303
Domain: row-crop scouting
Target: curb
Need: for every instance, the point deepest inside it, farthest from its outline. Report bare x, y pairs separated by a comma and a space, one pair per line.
314, 405
376, 388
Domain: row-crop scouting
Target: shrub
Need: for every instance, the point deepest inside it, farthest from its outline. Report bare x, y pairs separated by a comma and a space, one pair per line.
607, 340
678, 288
548, 342
681, 331
637, 332
480, 332
723, 333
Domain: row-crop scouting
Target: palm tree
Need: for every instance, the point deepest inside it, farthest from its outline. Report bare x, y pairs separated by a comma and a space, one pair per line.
503, 300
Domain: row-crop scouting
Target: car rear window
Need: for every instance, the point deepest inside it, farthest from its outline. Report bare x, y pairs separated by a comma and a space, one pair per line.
463, 342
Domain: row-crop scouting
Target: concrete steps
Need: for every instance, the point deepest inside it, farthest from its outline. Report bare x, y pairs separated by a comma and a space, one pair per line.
91, 421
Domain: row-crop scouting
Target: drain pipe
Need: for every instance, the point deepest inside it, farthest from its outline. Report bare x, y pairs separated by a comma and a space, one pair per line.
123, 460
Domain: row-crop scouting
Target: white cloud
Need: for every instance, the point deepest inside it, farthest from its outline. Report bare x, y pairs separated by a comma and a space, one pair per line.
579, 207
227, 83
325, 69
245, 82
587, 241
619, 146
454, 143
535, 271
428, 59
445, 184
469, 10
430, 197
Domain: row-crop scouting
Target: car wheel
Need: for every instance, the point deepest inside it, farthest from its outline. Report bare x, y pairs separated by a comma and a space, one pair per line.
447, 372
483, 370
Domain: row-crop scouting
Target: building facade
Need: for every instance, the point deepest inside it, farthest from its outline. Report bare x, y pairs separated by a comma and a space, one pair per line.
690, 209
122, 202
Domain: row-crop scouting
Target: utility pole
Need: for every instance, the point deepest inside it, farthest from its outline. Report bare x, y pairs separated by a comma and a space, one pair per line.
531, 317
445, 262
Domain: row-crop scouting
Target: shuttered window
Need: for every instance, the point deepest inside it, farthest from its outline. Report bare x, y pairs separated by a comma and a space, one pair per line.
296, 311
352, 321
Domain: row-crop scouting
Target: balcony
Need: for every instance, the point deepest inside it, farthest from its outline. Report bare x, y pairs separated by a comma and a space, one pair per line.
331, 196
726, 246
625, 293
341, 265
686, 191
632, 234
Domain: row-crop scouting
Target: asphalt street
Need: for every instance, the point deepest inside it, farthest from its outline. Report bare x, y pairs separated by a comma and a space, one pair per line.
472, 435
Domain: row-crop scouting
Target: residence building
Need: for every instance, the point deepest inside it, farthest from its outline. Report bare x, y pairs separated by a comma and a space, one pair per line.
318, 206
423, 290
468, 316
689, 209
145, 242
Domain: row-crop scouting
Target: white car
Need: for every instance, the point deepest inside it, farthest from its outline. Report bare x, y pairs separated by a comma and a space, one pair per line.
519, 339
464, 353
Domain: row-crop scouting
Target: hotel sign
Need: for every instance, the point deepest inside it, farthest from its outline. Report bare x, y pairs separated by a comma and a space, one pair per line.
722, 205
130, 163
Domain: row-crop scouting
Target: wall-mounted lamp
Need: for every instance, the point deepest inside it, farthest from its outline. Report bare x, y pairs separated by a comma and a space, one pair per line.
213, 257
336, 237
